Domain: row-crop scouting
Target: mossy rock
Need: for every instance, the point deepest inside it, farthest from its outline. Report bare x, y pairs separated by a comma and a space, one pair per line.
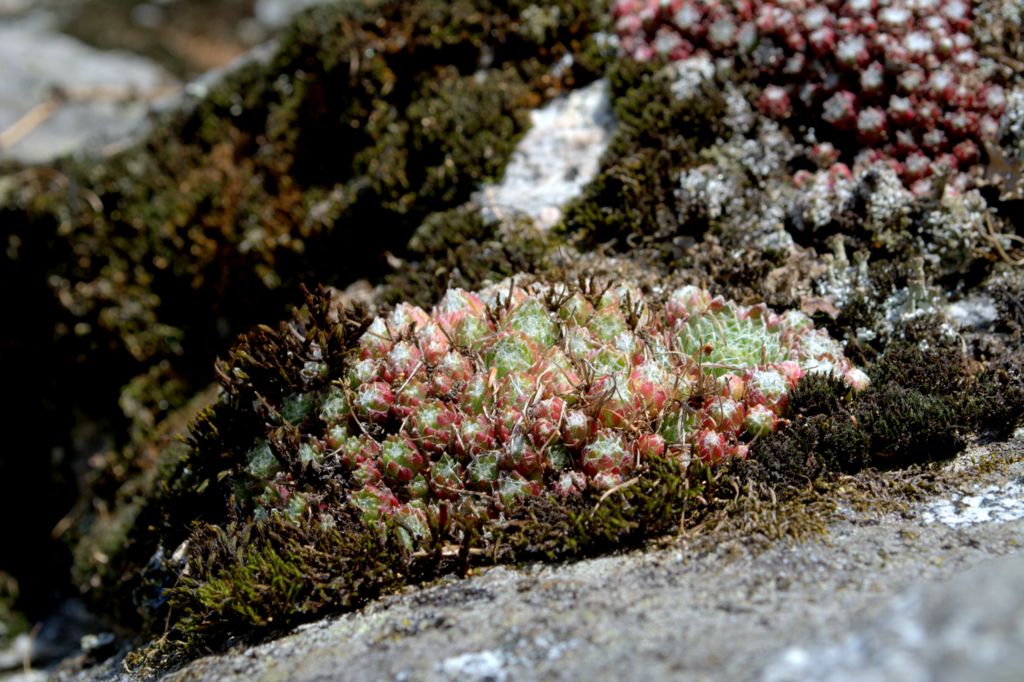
258, 573
311, 166
356, 147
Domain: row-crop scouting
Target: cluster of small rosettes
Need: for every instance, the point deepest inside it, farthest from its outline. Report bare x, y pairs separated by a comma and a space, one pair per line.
903, 78
524, 391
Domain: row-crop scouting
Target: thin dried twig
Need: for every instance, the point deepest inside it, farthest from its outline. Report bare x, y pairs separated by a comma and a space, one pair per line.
611, 491
42, 112
34, 118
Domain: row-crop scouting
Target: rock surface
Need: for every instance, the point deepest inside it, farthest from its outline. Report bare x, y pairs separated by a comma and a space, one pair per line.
274, 14
882, 596
968, 628
557, 157
58, 94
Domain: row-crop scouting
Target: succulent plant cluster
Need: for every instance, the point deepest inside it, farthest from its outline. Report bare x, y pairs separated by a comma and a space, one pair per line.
903, 80
541, 390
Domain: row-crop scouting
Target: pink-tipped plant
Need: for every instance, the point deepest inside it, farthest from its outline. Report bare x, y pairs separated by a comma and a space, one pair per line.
516, 392
903, 77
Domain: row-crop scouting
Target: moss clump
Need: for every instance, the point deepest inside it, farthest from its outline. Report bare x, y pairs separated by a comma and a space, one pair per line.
252, 580
274, 574
923, 403
632, 201
652, 505
12, 623
308, 167
459, 248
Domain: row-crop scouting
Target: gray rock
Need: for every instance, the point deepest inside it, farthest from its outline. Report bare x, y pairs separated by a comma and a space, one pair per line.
9, 7
559, 155
276, 14
58, 95
991, 503
967, 628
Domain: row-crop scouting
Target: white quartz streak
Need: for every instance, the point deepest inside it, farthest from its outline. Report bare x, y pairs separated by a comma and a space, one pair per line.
999, 503
556, 158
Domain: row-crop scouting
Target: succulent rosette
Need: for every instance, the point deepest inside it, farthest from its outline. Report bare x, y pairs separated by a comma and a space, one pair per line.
904, 79
518, 391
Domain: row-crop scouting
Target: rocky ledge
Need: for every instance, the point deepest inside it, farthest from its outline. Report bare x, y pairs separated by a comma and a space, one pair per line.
928, 589
719, 301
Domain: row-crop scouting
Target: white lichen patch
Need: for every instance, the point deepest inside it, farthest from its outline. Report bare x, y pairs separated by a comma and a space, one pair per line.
480, 665
556, 158
1012, 124
740, 185
707, 187
889, 200
690, 76
973, 312
824, 197
994, 503
507, 663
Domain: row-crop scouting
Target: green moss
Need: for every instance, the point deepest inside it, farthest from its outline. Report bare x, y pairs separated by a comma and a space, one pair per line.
650, 505
997, 403
632, 200
12, 623
923, 404
458, 248
255, 579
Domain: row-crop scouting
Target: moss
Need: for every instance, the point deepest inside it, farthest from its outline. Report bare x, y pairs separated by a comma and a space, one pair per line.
998, 399
123, 550
632, 200
149, 398
922, 406
459, 248
252, 580
650, 505
12, 622
310, 167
